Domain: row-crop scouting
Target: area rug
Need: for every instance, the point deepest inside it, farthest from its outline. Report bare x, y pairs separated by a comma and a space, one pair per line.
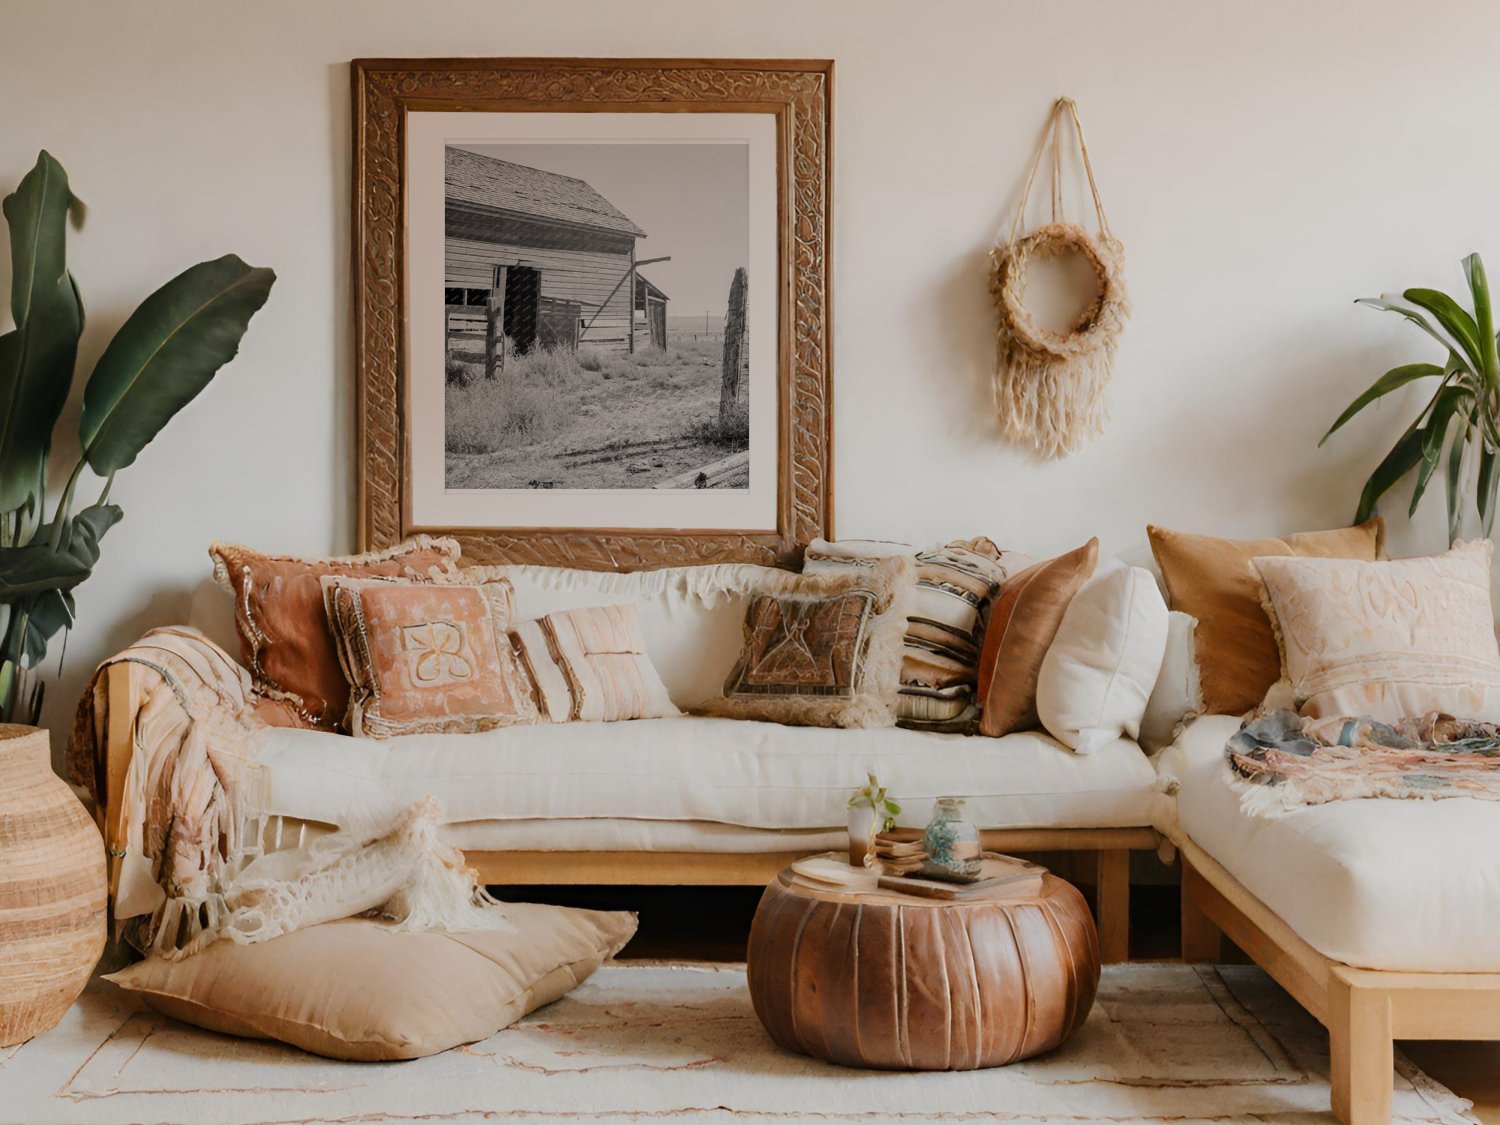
645, 1042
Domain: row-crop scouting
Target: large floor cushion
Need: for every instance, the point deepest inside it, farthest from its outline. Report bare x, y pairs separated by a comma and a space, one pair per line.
729, 771
1379, 884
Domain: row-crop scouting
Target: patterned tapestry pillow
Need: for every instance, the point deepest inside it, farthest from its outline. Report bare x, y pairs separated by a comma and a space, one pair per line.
956, 584
823, 649
1022, 626
424, 657
284, 635
590, 665
1387, 640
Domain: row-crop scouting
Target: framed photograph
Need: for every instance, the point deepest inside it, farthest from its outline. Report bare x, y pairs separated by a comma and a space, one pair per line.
592, 307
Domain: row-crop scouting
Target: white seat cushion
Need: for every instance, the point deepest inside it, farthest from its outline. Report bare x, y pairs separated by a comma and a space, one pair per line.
730, 771
1379, 884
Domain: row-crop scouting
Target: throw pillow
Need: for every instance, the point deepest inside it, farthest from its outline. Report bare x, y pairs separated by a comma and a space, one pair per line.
590, 665
357, 990
956, 584
425, 657
1177, 695
1215, 581
1100, 668
823, 649
285, 640
1388, 640
1026, 617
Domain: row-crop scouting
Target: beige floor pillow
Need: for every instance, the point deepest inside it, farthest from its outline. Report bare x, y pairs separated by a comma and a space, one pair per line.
356, 990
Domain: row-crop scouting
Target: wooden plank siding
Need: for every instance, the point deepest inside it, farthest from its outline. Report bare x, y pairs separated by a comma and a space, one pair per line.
576, 264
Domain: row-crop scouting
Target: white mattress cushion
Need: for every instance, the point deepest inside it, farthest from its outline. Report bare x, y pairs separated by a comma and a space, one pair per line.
730, 771
1379, 884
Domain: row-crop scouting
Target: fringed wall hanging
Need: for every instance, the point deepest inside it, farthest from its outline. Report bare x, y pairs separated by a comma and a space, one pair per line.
1049, 386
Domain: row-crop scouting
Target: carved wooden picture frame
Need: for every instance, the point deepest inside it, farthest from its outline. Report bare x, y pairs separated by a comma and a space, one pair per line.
389, 98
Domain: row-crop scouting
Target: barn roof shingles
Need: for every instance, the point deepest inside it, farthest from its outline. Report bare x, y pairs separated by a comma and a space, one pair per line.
484, 180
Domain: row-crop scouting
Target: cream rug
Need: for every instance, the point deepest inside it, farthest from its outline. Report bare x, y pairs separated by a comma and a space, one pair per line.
645, 1042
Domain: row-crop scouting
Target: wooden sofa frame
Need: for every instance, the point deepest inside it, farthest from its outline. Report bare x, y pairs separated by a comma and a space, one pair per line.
1111, 846
1364, 1010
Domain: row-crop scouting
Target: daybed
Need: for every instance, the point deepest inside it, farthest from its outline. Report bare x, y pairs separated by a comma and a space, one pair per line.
1378, 915
672, 801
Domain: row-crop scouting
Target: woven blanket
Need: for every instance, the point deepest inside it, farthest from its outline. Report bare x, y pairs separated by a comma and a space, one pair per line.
1280, 761
197, 860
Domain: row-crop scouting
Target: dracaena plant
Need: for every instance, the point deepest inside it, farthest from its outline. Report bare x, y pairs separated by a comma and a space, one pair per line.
162, 356
1457, 427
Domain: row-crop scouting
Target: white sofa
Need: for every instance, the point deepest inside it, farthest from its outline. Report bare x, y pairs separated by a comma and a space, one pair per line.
693, 800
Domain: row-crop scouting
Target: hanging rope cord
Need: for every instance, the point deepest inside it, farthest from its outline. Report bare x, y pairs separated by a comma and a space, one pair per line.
1049, 386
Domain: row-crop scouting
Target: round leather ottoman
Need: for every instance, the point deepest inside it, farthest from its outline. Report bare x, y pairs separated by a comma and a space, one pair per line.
888, 980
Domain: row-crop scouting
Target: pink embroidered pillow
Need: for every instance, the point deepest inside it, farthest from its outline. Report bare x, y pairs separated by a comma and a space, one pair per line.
590, 665
427, 657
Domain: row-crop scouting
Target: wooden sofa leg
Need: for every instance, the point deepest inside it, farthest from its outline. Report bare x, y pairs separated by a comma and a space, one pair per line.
1112, 886
1202, 941
1361, 1052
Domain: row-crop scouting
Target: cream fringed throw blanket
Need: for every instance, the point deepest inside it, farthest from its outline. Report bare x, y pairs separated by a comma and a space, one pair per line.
192, 845
1280, 761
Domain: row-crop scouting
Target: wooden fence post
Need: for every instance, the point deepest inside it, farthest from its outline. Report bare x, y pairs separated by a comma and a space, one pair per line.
734, 342
494, 327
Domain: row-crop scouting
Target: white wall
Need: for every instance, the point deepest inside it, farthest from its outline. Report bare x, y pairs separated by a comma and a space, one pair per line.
1264, 164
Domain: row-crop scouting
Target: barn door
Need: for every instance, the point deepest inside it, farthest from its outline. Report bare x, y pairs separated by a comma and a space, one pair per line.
523, 302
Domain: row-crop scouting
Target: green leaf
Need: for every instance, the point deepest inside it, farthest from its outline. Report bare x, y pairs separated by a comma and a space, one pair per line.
85, 530
37, 356
1445, 404
35, 568
1394, 379
1484, 316
1454, 319
168, 351
1455, 476
1402, 458
1397, 304
1488, 480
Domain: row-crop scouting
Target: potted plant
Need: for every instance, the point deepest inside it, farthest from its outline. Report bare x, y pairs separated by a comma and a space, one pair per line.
1457, 427
52, 870
162, 356
871, 811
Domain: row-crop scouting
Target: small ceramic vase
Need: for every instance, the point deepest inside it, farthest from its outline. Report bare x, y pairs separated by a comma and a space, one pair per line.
951, 843
861, 832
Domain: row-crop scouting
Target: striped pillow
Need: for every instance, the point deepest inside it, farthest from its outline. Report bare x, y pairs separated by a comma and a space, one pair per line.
956, 584
590, 665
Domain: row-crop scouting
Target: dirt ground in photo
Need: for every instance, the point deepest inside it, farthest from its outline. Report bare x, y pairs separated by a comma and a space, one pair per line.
593, 419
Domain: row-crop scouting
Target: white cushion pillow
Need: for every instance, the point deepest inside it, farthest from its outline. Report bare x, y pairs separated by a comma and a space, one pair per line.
1388, 640
1178, 694
1099, 672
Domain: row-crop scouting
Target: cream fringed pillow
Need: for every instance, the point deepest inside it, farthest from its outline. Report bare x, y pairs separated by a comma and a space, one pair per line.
823, 650
590, 665
1388, 640
427, 657
356, 990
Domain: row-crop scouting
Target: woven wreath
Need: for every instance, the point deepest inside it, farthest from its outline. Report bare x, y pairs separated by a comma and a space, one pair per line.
1049, 386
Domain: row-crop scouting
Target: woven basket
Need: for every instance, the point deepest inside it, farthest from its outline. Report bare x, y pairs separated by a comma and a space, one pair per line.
52, 889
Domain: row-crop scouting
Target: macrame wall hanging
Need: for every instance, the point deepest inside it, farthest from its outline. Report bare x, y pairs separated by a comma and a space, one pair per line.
1049, 386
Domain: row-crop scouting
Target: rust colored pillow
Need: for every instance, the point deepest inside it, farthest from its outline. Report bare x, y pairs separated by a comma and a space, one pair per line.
427, 657
284, 635
1215, 581
1023, 622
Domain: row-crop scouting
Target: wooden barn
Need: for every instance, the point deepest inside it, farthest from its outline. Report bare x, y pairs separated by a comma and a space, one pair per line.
554, 256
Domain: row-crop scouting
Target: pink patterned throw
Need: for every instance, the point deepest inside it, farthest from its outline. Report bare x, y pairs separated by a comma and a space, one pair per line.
1280, 761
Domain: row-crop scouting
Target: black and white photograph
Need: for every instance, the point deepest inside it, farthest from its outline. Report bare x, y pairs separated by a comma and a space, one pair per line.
596, 315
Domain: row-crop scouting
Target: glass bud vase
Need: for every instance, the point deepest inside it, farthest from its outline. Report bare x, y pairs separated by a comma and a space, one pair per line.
951, 843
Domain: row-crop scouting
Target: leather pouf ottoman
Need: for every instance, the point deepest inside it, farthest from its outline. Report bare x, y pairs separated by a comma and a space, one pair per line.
889, 980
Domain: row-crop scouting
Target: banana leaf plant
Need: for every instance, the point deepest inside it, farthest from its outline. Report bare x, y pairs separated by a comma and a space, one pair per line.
164, 354
1457, 428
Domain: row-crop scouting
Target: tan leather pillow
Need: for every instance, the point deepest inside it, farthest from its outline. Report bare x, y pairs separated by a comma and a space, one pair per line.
357, 990
1214, 580
1023, 622
285, 640
427, 657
